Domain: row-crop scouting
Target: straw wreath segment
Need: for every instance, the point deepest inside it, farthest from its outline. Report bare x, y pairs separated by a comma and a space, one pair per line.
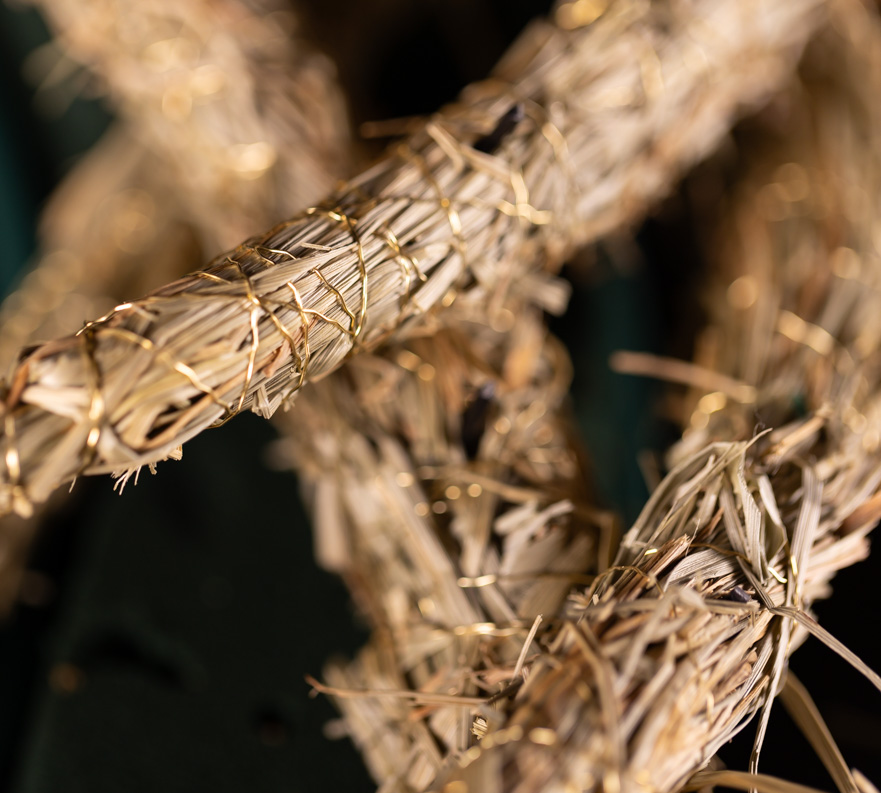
602, 132
477, 676
516, 645
664, 657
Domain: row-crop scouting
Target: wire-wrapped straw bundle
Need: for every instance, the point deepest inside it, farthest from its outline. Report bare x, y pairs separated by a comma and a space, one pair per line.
671, 650
130, 215
124, 220
455, 207
446, 489
136, 235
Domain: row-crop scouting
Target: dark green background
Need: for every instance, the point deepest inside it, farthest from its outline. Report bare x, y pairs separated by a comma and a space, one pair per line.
192, 604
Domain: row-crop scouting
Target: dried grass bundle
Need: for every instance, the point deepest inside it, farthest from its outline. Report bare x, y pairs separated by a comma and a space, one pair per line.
443, 475
212, 128
131, 214
461, 206
137, 235
674, 648
446, 489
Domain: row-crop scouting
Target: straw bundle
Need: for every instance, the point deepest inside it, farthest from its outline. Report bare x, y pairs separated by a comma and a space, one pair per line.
455, 208
132, 213
446, 489
454, 507
183, 160
671, 650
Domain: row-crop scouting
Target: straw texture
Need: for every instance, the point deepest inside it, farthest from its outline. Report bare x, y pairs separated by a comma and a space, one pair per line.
230, 94
114, 227
507, 653
447, 489
475, 679
673, 648
214, 142
452, 209
168, 182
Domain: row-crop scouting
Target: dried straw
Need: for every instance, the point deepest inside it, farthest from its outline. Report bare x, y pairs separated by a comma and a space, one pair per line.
135, 235
185, 158
687, 636
460, 206
129, 216
115, 226
671, 651
446, 489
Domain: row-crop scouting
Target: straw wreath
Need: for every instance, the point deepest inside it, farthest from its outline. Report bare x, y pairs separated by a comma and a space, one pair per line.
443, 475
672, 649
571, 137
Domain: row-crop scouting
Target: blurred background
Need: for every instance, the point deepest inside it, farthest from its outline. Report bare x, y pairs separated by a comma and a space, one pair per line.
159, 640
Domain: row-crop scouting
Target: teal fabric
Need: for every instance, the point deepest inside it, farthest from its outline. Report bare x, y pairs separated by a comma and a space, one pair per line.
16, 206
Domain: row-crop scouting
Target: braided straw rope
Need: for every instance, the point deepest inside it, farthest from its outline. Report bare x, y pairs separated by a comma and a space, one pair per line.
603, 132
